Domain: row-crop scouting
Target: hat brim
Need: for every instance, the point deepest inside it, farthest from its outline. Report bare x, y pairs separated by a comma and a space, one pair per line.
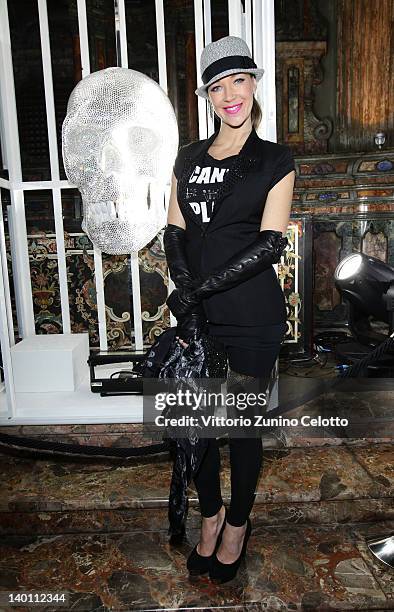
202, 91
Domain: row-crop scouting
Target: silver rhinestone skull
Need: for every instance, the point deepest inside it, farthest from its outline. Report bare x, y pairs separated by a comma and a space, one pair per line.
120, 139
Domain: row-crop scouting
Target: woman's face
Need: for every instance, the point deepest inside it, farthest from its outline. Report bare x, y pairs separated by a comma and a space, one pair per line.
232, 97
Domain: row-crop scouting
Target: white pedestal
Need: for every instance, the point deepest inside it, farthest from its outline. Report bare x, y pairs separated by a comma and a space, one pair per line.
50, 363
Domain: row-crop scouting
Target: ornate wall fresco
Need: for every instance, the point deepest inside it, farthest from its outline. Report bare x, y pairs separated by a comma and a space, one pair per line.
82, 292
80, 272
326, 259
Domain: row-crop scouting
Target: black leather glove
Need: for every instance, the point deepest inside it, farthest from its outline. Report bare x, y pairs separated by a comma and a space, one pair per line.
192, 325
258, 256
174, 247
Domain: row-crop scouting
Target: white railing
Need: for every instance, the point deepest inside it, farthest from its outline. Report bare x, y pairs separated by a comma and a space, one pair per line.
6, 324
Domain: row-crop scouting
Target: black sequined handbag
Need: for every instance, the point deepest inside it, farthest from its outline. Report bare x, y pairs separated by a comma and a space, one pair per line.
204, 357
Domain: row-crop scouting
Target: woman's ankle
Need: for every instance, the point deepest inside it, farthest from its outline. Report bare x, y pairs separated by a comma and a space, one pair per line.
210, 530
215, 517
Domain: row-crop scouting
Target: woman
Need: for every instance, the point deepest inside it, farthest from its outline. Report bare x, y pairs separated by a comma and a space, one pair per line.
229, 210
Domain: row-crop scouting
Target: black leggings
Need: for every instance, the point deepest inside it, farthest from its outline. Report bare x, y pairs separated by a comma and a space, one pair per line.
251, 351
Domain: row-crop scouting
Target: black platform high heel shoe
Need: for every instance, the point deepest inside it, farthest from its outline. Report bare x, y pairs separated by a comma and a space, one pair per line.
224, 572
198, 564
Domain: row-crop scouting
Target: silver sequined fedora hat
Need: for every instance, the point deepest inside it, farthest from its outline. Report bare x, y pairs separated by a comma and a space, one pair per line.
222, 57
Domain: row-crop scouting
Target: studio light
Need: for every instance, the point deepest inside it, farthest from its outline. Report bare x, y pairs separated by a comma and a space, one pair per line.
349, 266
367, 283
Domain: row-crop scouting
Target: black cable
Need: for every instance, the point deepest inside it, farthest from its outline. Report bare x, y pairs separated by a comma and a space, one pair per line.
354, 370
124, 372
79, 449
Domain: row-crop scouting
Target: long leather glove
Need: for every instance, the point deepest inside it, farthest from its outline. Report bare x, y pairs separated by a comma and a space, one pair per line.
193, 324
258, 256
174, 247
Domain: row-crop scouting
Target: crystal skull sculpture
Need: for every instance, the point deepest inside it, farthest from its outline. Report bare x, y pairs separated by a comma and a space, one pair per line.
120, 139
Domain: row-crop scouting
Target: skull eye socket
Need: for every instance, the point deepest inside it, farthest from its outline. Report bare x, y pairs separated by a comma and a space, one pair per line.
111, 160
85, 140
143, 140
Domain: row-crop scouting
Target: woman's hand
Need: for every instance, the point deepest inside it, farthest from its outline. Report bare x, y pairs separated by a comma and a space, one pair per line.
181, 302
191, 326
181, 342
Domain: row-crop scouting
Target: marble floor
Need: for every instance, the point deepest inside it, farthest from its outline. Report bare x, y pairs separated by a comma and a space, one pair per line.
98, 531
293, 567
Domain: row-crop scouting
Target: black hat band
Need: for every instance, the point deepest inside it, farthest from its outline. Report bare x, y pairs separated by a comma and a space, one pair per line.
226, 63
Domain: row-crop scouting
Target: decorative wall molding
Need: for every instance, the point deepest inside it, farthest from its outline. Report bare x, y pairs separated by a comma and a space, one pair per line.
298, 72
